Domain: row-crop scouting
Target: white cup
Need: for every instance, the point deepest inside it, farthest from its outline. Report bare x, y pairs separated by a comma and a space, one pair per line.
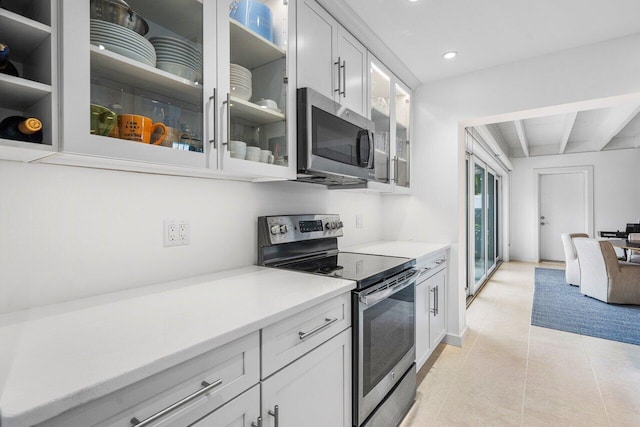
238, 149
253, 154
266, 156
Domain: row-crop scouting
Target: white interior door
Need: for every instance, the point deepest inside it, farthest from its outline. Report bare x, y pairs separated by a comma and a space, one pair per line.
562, 210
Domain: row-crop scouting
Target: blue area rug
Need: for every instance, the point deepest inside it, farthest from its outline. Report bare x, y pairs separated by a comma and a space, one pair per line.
558, 305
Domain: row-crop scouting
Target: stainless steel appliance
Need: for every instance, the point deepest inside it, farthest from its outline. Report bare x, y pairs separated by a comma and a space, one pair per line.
383, 307
335, 144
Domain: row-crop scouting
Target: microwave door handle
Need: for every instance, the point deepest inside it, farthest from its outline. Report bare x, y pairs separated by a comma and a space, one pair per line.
372, 149
362, 133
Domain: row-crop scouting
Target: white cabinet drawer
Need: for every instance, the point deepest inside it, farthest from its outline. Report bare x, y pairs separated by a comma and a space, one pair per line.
287, 340
234, 367
240, 412
428, 266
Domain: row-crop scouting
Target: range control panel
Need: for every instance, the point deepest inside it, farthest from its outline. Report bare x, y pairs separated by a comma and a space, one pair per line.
296, 228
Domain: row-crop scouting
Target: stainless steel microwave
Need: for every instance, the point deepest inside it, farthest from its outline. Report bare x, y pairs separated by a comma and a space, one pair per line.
335, 144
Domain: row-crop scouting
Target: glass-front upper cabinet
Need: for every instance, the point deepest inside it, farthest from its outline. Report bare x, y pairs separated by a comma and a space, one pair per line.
380, 104
257, 108
402, 159
28, 79
139, 80
390, 109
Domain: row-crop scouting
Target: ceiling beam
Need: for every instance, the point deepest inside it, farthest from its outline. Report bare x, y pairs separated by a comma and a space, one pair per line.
615, 121
569, 121
522, 136
488, 137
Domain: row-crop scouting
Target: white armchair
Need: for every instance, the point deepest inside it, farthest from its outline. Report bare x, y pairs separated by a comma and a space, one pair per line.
572, 268
603, 277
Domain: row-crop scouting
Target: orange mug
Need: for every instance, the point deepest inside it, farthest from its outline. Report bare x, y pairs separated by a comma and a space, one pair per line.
139, 128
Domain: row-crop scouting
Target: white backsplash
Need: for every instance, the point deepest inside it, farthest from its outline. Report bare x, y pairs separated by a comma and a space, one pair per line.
70, 232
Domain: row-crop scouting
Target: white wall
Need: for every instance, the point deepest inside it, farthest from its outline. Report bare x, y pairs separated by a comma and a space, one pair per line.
68, 232
615, 194
433, 213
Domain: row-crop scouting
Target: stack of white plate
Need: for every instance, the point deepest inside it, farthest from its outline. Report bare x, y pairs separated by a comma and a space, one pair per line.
122, 40
178, 57
240, 79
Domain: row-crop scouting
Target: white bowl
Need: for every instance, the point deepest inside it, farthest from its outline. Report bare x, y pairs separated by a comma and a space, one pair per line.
178, 70
241, 92
268, 103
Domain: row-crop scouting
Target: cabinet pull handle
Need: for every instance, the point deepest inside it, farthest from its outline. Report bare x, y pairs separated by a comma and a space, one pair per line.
258, 423
434, 310
213, 104
440, 261
437, 299
344, 78
275, 414
228, 102
207, 388
395, 169
339, 80
327, 323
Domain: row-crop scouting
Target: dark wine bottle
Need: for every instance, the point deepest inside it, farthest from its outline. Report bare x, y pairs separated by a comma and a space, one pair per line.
28, 129
6, 67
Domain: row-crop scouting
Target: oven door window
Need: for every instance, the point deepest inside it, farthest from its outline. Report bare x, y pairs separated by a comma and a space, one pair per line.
388, 334
339, 140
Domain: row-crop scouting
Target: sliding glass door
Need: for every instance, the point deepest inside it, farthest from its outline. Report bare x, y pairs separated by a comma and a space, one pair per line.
483, 221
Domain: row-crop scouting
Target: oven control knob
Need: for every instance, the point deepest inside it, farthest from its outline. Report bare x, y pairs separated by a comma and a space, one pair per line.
340, 224
275, 229
329, 226
283, 229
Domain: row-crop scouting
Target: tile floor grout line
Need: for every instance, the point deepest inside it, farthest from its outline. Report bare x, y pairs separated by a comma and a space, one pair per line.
595, 378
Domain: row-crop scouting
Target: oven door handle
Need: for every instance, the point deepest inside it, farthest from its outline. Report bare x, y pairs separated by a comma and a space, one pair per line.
377, 296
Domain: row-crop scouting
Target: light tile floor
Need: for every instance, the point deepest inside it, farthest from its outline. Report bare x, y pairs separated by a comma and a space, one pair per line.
509, 373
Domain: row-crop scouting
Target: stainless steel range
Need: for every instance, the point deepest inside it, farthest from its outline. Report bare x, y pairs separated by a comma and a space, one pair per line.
384, 373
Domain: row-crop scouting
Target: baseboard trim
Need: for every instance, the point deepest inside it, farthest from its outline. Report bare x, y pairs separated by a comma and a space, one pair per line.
457, 340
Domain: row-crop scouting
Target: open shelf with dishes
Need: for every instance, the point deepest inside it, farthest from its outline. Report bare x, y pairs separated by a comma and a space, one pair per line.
28, 74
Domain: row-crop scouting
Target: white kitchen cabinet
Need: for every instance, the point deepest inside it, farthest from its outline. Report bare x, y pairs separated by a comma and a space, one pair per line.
389, 105
30, 30
202, 112
243, 411
330, 60
313, 391
430, 305
179, 395
267, 60
121, 79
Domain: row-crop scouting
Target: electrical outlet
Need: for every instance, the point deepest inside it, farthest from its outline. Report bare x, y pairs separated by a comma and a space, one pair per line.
359, 221
176, 233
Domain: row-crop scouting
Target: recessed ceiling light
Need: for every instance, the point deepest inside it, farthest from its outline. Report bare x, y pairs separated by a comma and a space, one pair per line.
412, 1
450, 55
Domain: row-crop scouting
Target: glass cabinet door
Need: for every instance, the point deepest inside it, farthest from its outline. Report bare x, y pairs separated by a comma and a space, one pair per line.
150, 67
380, 93
256, 104
403, 152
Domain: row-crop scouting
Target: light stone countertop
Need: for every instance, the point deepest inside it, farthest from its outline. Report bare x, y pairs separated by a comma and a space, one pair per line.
58, 357
406, 249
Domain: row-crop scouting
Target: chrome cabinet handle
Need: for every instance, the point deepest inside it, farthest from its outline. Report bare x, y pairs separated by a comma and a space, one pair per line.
440, 261
228, 102
435, 299
339, 80
207, 388
275, 414
344, 78
395, 169
327, 322
258, 423
212, 136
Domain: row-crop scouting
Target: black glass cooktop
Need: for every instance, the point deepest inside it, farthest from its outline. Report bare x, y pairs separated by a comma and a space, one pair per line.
365, 269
